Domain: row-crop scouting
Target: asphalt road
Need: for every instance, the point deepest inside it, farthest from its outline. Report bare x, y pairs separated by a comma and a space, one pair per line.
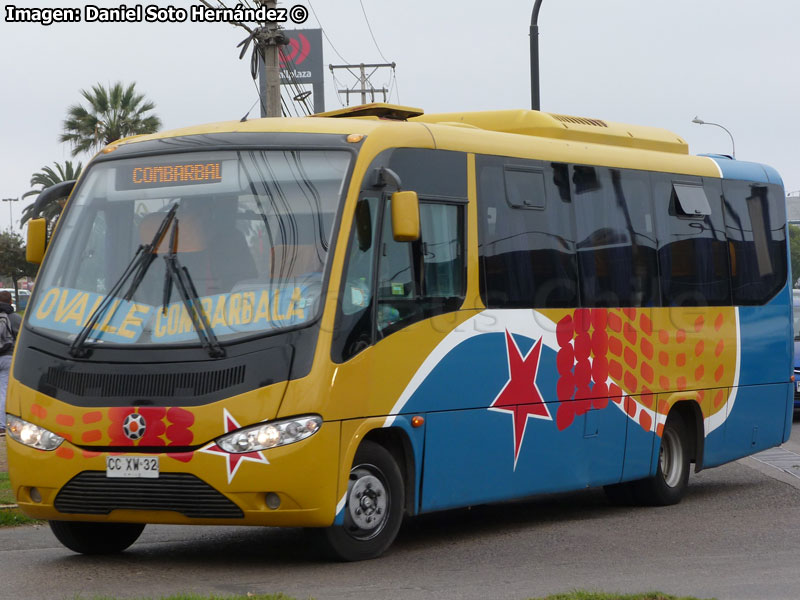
735, 536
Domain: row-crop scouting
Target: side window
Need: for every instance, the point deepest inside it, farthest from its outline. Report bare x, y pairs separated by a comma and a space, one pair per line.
398, 297
615, 237
526, 240
354, 321
754, 220
421, 279
693, 253
444, 270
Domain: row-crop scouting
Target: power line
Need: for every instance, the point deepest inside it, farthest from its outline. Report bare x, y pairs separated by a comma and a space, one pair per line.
311, 6
394, 85
260, 97
370, 32
300, 94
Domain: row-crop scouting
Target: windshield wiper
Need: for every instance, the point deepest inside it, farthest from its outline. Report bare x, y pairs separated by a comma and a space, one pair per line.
140, 262
179, 274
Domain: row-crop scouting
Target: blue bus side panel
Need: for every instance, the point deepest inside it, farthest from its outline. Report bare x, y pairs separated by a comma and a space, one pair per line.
638, 453
766, 349
754, 423
465, 464
470, 454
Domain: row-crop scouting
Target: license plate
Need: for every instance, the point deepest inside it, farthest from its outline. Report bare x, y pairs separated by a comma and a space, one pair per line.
797, 385
133, 467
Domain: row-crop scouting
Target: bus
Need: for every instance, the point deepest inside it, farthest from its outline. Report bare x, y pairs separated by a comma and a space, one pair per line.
338, 321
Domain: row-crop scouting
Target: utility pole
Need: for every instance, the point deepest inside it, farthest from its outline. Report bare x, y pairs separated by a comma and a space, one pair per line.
534, 32
363, 78
268, 41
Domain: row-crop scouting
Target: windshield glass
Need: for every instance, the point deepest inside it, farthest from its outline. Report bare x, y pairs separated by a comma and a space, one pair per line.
251, 229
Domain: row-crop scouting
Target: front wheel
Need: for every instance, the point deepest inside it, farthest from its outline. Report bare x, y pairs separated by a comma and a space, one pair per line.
373, 508
672, 475
96, 538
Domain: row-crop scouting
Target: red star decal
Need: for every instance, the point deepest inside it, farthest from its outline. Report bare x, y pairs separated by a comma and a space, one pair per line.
234, 460
519, 395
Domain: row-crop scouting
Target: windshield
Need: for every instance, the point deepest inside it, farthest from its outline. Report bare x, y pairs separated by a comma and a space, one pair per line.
251, 230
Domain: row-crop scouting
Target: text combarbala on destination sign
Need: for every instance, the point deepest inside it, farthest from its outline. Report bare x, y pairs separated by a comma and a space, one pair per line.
140, 13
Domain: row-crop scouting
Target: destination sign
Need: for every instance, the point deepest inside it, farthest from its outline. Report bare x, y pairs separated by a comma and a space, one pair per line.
142, 176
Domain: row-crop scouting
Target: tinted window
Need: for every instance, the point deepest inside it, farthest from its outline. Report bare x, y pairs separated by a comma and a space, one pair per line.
754, 223
431, 173
524, 188
527, 257
616, 238
691, 200
693, 256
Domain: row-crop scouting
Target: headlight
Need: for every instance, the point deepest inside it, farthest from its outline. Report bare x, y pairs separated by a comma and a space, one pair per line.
31, 435
270, 435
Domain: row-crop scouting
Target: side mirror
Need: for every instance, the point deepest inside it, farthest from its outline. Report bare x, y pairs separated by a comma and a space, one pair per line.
37, 241
60, 190
405, 216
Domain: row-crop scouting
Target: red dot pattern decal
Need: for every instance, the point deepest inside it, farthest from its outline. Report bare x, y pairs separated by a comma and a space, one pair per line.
641, 356
163, 427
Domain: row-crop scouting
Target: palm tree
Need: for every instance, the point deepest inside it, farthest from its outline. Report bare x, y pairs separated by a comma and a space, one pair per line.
44, 179
111, 114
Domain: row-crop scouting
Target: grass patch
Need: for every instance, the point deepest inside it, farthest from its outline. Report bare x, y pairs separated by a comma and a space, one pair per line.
10, 517
6, 497
582, 595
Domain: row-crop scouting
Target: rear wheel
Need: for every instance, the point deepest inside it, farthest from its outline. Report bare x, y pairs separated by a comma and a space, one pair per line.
373, 508
672, 475
96, 538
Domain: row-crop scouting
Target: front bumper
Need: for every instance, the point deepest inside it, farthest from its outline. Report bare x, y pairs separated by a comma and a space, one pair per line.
199, 487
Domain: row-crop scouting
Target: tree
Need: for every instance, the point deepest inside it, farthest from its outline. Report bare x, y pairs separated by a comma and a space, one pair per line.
12, 260
44, 179
794, 248
111, 114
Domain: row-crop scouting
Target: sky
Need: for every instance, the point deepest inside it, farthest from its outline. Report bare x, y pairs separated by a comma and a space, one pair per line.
647, 62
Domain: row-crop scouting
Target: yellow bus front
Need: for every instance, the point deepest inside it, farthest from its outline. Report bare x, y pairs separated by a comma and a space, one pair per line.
190, 287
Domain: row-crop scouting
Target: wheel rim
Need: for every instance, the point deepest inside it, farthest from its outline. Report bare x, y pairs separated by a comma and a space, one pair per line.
671, 457
368, 502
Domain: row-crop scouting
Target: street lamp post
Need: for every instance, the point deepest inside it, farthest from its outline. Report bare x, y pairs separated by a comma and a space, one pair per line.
10, 215
700, 121
535, 104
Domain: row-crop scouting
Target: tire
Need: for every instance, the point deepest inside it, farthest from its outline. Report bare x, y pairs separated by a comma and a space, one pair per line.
96, 538
374, 507
669, 483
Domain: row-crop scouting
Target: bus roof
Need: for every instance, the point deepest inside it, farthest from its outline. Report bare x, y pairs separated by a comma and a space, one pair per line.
521, 133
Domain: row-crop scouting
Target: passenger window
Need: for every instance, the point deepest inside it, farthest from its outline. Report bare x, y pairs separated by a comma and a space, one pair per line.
527, 257
615, 237
693, 254
757, 240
